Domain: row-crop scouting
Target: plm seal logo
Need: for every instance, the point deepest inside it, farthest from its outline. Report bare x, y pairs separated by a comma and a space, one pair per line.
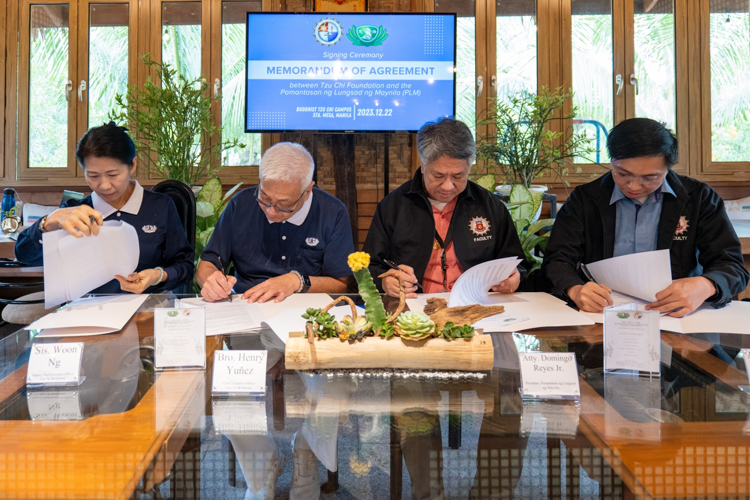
327, 31
479, 226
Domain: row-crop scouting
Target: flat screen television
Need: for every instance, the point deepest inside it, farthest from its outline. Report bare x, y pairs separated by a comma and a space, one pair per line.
349, 72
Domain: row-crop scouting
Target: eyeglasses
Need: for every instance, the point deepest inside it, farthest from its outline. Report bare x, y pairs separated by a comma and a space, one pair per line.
271, 205
643, 180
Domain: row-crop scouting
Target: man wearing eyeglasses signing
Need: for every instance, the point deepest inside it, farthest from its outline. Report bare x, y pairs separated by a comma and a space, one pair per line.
283, 236
641, 206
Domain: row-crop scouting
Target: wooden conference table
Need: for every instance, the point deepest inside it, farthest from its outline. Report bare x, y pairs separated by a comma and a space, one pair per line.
130, 430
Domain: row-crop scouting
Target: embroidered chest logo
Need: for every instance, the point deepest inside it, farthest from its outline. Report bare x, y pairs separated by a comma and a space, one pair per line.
149, 229
312, 241
682, 227
480, 227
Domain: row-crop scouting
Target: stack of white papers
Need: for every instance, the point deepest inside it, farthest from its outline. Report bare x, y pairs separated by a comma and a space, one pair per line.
227, 317
641, 275
75, 266
91, 316
240, 317
530, 310
472, 286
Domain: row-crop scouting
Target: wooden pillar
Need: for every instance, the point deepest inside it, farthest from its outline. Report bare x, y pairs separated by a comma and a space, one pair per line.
345, 178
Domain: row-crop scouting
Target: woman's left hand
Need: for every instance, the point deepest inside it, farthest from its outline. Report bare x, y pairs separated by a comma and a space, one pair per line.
138, 282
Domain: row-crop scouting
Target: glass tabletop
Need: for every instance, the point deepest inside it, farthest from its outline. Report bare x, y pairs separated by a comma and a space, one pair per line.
384, 433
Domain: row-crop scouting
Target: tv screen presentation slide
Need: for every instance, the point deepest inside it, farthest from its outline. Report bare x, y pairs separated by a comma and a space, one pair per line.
349, 72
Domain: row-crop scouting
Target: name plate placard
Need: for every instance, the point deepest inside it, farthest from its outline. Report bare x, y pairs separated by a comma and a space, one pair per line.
549, 375
632, 339
179, 338
241, 372
55, 364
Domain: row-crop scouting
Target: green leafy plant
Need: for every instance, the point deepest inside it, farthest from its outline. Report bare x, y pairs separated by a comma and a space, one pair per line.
209, 205
523, 205
173, 131
374, 310
520, 146
451, 331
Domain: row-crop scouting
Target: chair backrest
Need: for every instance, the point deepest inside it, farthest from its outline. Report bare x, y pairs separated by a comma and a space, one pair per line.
184, 200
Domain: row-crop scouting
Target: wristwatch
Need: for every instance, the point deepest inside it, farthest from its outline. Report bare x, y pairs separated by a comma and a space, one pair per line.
304, 281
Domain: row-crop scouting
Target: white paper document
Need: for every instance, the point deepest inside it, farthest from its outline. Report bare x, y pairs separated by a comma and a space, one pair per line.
179, 338
542, 310
641, 275
730, 319
631, 339
75, 266
90, 316
227, 317
471, 287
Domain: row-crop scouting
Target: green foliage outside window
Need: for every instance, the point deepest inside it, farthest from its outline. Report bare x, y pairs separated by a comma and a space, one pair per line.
174, 134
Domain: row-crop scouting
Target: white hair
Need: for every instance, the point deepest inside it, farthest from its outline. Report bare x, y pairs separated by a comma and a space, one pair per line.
287, 162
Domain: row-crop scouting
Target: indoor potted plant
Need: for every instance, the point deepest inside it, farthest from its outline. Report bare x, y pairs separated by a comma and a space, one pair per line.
520, 147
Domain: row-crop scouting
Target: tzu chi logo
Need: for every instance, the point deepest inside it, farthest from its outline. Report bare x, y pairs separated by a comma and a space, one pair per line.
480, 227
682, 227
327, 31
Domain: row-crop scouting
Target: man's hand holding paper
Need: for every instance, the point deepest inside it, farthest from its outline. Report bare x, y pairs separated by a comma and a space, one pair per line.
683, 296
510, 284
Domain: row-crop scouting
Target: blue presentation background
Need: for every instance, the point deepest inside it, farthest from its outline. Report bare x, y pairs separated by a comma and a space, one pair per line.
291, 37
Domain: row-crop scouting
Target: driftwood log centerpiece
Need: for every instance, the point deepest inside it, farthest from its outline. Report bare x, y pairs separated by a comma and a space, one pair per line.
405, 340
439, 312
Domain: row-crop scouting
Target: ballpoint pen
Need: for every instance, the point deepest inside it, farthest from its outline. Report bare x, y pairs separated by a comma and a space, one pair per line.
224, 272
393, 265
587, 273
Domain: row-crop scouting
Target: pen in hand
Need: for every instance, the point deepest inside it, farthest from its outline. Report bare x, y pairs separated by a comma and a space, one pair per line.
393, 265
224, 272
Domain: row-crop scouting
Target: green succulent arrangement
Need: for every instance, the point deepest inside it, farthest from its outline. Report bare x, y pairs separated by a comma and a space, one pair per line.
408, 325
412, 325
451, 331
325, 321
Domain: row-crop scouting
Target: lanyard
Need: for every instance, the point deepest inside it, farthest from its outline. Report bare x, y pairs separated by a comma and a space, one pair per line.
444, 245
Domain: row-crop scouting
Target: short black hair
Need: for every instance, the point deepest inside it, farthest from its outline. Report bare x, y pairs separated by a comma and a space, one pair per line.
639, 137
107, 141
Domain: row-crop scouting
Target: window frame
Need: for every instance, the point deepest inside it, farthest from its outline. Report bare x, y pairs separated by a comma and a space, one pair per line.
705, 168
23, 170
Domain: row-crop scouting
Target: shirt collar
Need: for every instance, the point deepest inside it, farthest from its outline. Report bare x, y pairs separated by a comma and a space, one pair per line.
618, 195
298, 218
132, 206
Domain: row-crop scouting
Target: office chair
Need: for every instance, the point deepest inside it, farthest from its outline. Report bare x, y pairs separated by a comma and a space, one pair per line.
184, 200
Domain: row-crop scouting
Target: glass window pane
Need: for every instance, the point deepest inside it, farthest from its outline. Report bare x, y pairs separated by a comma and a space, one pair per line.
654, 46
108, 59
49, 42
466, 101
181, 38
593, 71
516, 47
730, 74
233, 54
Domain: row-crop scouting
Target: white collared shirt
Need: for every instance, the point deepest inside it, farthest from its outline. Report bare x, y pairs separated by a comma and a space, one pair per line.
132, 206
298, 218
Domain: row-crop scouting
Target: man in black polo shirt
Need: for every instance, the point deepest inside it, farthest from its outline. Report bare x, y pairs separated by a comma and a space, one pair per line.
642, 205
283, 235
